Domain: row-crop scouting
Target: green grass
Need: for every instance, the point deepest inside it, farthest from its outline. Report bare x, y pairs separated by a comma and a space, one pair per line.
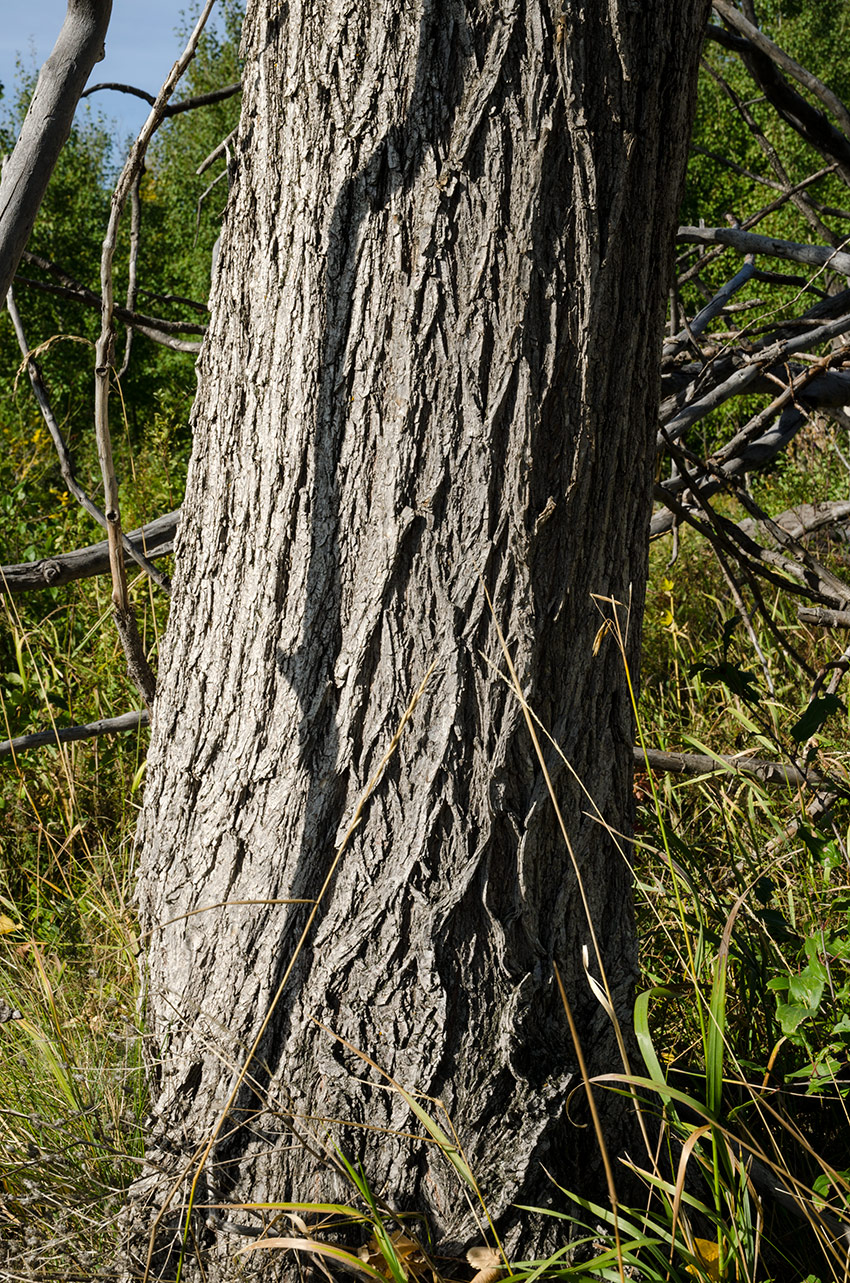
745, 954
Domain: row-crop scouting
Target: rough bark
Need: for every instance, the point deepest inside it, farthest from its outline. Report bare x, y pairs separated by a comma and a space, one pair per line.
432, 362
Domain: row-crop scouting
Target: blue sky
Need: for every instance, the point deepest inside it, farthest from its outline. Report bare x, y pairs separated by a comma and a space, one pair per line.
141, 46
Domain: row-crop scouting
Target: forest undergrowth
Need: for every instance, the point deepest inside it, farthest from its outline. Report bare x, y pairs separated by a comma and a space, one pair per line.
741, 1016
736, 1057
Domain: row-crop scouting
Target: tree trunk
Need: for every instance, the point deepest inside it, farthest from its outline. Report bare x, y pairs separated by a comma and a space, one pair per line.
432, 366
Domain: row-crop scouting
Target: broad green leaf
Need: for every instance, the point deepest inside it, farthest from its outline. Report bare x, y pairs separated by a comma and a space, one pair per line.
820, 708
791, 1015
737, 680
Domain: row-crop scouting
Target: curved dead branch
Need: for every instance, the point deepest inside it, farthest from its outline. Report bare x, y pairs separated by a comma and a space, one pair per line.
171, 109
46, 127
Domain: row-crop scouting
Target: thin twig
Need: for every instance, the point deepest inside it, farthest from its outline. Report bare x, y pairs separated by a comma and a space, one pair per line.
149, 325
66, 467
125, 620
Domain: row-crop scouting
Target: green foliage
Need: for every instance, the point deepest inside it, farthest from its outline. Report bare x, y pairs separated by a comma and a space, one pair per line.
744, 918
70, 1075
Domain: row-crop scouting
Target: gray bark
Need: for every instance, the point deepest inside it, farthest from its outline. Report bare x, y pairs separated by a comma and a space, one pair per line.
46, 127
432, 361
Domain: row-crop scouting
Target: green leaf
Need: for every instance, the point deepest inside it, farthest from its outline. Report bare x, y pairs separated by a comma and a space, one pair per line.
776, 925
821, 707
644, 1036
791, 1015
763, 890
814, 716
808, 986
735, 679
728, 629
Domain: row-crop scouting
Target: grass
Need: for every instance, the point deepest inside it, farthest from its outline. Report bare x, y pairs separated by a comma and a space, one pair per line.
743, 908
745, 939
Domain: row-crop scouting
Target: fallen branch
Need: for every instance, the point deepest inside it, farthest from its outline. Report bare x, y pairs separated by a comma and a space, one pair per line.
749, 767
670, 763
66, 734
824, 618
751, 243
156, 539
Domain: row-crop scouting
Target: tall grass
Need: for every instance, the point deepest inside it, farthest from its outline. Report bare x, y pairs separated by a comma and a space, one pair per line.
743, 907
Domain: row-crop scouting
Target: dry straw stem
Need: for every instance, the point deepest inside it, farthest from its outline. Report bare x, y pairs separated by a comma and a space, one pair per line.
451, 1149
602, 993
597, 1126
202, 1154
316, 1248
530, 723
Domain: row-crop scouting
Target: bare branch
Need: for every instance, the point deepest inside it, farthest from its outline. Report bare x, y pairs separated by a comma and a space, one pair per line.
713, 308
220, 150
801, 201
120, 89
806, 518
760, 41
752, 243
157, 329
750, 767
171, 109
156, 539
823, 618
47, 126
743, 379
135, 241
67, 734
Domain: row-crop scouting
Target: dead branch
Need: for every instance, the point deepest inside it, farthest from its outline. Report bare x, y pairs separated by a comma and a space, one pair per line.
46, 127
752, 243
823, 618
156, 329
170, 109
762, 58
66, 467
67, 734
220, 150
67, 287
154, 540
132, 270
753, 768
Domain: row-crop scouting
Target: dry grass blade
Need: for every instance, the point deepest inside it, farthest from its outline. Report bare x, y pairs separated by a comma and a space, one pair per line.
315, 1248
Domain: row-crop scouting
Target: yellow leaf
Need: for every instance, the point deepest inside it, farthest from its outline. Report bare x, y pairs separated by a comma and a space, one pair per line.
708, 1254
7, 925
